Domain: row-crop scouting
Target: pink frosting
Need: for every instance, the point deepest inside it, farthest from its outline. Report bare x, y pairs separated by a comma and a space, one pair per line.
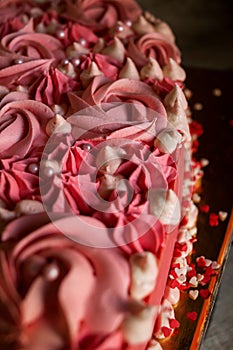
22, 125
107, 65
16, 181
52, 87
27, 43
101, 91
40, 270
24, 73
117, 193
102, 14
154, 45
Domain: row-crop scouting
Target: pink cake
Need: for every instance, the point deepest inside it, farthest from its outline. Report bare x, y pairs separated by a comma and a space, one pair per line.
95, 176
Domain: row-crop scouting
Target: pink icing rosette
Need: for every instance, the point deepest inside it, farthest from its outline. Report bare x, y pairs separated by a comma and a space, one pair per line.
110, 180
101, 91
22, 125
155, 45
17, 182
29, 44
102, 14
24, 73
107, 65
39, 306
52, 87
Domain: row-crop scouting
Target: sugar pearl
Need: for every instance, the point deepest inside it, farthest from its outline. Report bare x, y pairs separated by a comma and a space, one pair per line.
76, 61
48, 171
60, 34
119, 28
51, 272
65, 62
33, 168
83, 42
18, 61
128, 23
87, 147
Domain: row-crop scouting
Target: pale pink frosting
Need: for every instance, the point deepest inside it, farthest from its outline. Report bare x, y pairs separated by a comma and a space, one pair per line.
27, 43
24, 73
154, 45
22, 125
41, 265
101, 91
102, 14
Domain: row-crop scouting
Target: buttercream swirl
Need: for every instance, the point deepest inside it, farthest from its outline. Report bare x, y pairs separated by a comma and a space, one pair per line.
102, 14
22, 125
155, 45
40, 266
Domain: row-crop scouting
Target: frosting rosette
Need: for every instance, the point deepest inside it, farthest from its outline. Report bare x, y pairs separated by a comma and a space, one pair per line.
126, 91
40, 308
27, 43
110, 179
155, 45
17, 182
102, 14
22, 125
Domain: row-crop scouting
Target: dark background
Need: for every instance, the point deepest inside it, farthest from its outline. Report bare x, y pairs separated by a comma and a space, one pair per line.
203, 28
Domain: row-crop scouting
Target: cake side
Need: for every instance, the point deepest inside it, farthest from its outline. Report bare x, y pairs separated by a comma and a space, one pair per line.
94, 140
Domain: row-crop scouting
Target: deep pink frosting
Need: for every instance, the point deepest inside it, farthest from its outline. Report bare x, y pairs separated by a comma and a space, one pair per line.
154, 45
102, 14
22, 125
40, 266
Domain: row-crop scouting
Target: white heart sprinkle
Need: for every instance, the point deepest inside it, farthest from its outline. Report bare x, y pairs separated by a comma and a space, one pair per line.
182, 279
215, 265
193, 294
200, 277
193, 281
208, 262
222, 215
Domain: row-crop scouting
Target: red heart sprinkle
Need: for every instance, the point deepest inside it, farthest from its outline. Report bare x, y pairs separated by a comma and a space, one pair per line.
192, 315
174, 323
205, 293
205, 208
213, 220
166, 331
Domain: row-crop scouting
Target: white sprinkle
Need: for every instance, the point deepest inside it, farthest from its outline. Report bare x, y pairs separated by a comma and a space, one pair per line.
193, 294
215, 265
222, 215
196, 198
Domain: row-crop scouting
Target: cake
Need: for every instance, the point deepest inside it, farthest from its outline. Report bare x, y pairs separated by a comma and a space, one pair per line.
96, 176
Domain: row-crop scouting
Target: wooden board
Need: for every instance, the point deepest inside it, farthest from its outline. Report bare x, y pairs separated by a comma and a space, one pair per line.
214, 243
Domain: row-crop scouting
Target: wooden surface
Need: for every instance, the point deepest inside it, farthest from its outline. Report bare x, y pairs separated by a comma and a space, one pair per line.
214, 243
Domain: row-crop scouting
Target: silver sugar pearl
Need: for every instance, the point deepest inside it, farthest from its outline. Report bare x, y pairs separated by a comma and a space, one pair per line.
48, 171
128, 23
76, 61
119, 28
33, 168
51, 272
87, 147
18, 61
82, 42
60, 34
